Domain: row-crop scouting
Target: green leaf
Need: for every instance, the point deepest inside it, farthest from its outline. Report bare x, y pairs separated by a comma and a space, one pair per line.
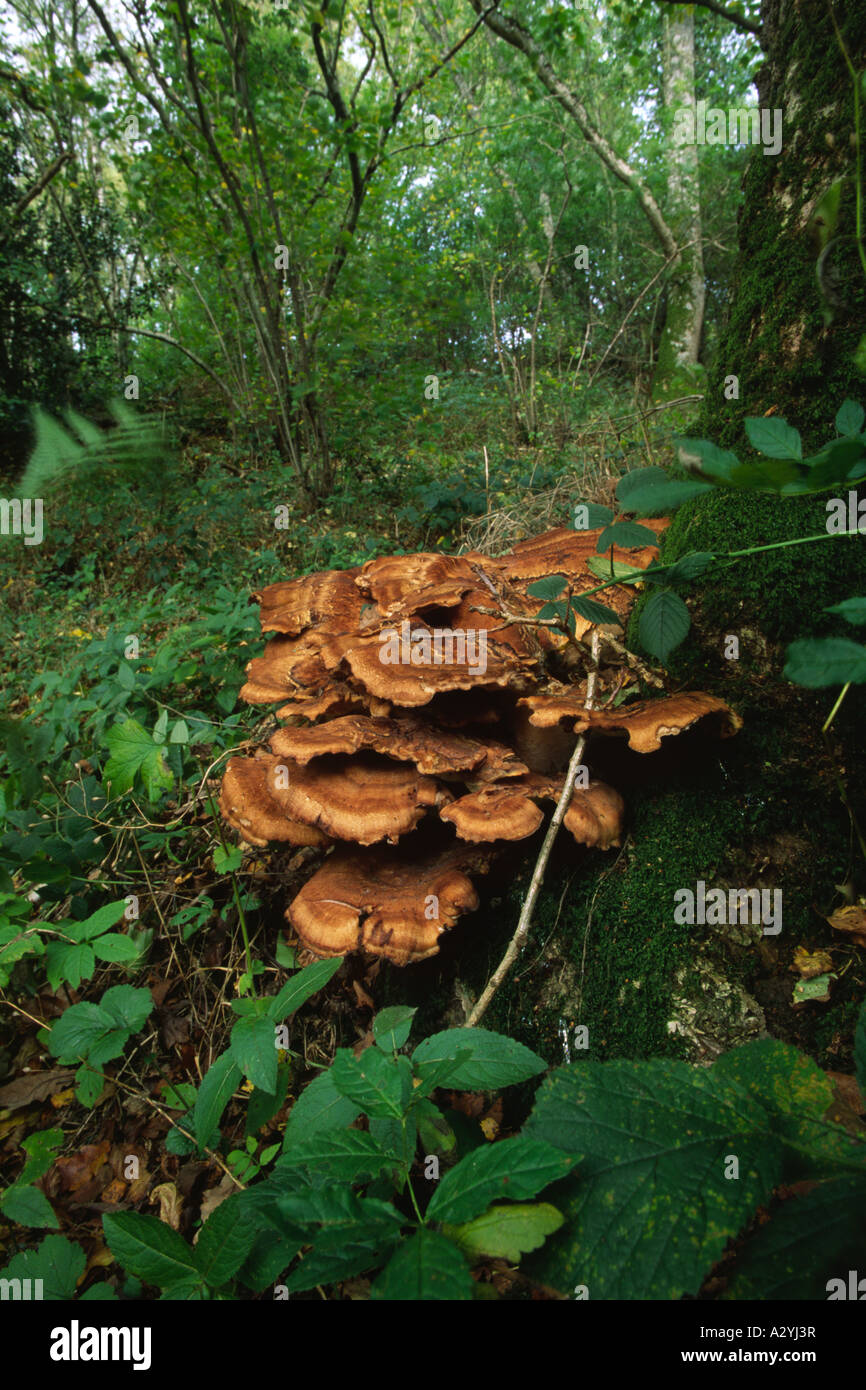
773, 437
717, 463
494, 1060
253, 1048
515, 1168
849, 418
346, 1154
690, 566
601, 568
28, 1206
820, 661
426, 1268
134, 753
592, 515
391, 1027
220, 1081
639, 478
127, 1006
71, 963
225, 1241
860, 1049
319, 1108
807, 1241
434, 1131
114, 947
58, 1262
507, 1232
302, 987
89, 1085
853, 610
657, 498
628, 535
227, 861
150, 1249
594, 612
77, 1030
41, 1149
664, 623
551, 586
372, 1081
100, 921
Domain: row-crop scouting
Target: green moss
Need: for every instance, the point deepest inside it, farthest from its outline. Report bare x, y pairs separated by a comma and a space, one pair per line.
782, 592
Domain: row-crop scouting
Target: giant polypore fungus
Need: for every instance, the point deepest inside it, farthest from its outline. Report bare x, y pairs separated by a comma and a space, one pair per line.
430, 715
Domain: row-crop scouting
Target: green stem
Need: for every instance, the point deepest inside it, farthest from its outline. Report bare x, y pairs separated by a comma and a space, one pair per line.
241, 915
835, 710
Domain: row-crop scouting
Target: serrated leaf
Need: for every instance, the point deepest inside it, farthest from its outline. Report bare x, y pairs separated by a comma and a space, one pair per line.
58, 1262
659, 498
773, 437
426, 1268
320, 1107
636, 479
515, 1168
551, 586
127, 1006
628, 535
664, 623
372, 1081
227, 861
494, 1060
594, 612
225, 1241
28, 1206
808, 1241
391, 1027
591, 515
77, 1030
149, 1249
347, 1154
690, 566
114, 947
134, 753
507, 1232
67, 962
100, 920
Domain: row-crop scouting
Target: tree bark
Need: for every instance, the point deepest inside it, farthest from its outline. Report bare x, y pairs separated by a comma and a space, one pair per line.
790, 340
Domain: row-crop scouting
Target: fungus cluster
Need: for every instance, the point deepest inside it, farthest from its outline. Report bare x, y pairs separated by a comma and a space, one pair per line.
427, 715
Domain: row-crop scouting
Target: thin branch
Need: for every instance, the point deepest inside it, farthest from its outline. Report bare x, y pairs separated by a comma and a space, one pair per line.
522, 929
732, 16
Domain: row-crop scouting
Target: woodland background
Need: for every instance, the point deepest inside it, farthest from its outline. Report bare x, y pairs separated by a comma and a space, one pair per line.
283, 288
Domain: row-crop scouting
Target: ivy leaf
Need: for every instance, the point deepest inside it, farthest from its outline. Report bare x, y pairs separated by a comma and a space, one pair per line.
425, 1268
134, 753
664, 623
507, 1232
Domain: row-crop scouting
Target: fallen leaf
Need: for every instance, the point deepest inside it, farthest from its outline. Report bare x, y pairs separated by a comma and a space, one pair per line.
216, 1195
808, 964
168, 1197
813, 991
115, 1191
33, 1086
62, 1098
362, 996
851, 919
73, 1171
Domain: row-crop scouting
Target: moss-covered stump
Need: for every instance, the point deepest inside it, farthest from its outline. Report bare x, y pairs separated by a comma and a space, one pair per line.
761, 810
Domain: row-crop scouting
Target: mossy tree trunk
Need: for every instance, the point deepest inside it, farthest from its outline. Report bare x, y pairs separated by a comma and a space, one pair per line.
789, 341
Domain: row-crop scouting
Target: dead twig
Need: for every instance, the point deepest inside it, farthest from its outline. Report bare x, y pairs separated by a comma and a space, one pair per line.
522, 929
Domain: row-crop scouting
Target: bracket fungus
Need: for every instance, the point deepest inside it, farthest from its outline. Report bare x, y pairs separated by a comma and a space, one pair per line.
430, 712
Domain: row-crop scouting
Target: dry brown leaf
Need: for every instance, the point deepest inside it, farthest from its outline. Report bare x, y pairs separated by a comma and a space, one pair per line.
215, 1196
170, 1204
850, 919
808, 964
32, 1086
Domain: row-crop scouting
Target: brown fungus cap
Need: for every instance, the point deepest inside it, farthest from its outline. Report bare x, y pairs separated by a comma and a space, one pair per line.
407, 739
564, 551
594, 816
384, 904
644, 724
393, 580
410, 664
336, 700
364, 798
331, 597
249, 807
494, 813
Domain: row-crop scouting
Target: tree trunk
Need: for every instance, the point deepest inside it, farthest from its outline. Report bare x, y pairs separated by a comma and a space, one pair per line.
790, 340
686, 292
